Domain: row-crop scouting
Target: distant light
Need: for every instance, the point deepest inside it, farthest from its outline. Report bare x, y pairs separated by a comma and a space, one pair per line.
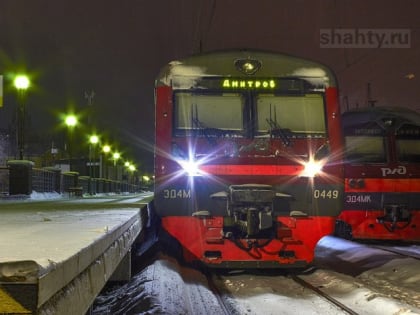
94, 139
71, 121
410, 76
106, 148
21, 82
116, 156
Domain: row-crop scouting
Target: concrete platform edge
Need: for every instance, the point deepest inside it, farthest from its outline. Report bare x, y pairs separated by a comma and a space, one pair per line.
78, 295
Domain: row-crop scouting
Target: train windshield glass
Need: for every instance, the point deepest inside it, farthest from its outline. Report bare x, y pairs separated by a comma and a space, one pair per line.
296, 114
223, 114
219, 112
365, 149
408, 150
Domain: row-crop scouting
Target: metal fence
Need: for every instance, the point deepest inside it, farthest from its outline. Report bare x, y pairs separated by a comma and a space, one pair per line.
43, 180
53, 180
4, 180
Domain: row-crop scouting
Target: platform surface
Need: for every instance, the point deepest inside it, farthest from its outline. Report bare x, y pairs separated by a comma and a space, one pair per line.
46, 245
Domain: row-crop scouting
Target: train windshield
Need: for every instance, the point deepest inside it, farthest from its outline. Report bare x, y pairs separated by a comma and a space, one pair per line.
227, 114
365, 149
219, 113
408, 150
408, 143
292, 114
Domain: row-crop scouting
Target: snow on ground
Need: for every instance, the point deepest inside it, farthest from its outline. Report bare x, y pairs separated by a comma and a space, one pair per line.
163, 287
270, 295
386, 272
45, 196
369, 280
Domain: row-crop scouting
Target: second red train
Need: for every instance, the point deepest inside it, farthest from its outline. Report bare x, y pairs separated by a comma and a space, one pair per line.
382, 175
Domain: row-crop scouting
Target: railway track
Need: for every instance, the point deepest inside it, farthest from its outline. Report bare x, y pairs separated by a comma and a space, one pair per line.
324, 295
225, 307
164, 285
268, 293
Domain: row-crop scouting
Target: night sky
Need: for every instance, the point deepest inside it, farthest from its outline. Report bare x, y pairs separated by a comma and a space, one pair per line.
116, 48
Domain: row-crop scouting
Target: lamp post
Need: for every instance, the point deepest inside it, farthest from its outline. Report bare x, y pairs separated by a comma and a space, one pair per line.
145, 180
127, 167
71, 121
21, 83
93, 141
105, 149
116, 156
131, 169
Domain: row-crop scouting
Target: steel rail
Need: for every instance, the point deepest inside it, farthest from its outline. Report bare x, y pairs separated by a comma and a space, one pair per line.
334, 301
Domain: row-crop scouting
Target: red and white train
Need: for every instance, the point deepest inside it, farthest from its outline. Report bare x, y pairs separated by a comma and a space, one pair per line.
382, 175
248, 169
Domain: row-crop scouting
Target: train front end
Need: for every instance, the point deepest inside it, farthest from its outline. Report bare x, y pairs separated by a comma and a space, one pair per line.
248, 158
382, 175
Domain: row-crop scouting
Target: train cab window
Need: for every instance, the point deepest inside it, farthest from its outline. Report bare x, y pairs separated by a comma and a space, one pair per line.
220, 114
300, 114
408, 150
365, 149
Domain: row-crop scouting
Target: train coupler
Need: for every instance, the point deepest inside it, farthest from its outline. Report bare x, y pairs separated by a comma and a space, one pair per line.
394, 214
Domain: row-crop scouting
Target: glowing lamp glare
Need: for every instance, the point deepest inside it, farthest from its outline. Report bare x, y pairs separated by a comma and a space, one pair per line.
312, 169
190, 167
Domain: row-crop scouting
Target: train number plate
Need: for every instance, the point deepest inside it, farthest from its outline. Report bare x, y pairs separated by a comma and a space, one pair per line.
177, 194
326, 194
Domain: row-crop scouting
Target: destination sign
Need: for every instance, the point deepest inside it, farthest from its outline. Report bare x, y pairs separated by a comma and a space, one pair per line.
276, 85
248, 84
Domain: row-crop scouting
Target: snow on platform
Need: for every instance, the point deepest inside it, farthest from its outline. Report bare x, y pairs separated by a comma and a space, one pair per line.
56, 260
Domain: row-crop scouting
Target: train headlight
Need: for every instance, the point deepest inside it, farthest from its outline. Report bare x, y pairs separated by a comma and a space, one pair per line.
190, 167
311, 168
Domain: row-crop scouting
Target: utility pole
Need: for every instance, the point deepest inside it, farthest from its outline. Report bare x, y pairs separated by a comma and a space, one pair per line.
89, 97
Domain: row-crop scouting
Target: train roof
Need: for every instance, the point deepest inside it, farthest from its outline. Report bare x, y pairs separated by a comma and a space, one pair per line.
225, 64
380, 115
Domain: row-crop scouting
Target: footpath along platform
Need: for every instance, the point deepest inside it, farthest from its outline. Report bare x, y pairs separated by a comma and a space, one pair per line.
56, 257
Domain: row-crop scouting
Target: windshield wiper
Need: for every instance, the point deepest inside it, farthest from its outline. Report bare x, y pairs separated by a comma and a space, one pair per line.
277, 130
208, 132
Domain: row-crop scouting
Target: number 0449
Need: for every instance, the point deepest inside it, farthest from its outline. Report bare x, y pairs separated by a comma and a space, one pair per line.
325, 194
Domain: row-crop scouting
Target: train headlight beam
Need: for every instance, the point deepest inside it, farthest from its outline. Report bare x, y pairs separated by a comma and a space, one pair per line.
190, 167
311, 168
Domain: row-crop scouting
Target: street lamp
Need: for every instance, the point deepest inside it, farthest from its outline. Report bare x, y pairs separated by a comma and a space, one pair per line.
116, 156
131, 168
93, 141
21, 83
105, 149
70, 121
